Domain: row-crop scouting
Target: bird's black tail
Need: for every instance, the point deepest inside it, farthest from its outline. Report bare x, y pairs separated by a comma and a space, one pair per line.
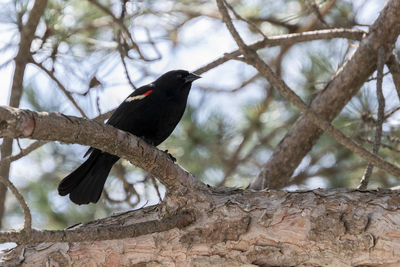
86, 183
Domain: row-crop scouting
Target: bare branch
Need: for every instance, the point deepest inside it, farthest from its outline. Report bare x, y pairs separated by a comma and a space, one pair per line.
68, 129
26, 36
315, 9
394, 68
287, 39
125, 67
32, 147
239, 17
123, 27
252, 58
381, 117
27, 213
331, 100
84, 234
382, 144
60, 85
245, 228
24, 152
235, 89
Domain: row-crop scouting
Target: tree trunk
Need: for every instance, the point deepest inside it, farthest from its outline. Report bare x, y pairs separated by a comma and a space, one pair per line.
246, 228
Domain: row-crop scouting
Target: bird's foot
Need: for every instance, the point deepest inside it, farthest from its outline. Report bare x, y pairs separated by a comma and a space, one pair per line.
170, 156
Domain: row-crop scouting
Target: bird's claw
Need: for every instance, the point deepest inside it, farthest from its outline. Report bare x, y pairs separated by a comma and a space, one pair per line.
170, 156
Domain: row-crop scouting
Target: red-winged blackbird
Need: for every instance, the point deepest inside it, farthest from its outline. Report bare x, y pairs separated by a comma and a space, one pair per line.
150, 112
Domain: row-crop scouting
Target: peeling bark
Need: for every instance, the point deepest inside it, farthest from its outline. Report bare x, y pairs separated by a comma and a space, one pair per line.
246, 228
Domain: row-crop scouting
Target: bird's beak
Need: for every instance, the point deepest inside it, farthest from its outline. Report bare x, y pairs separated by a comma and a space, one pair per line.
191, 77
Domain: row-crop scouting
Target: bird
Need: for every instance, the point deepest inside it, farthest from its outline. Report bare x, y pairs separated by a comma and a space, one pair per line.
151, 112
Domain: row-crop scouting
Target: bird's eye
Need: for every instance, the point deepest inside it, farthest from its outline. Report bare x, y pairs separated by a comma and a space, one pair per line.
179, 75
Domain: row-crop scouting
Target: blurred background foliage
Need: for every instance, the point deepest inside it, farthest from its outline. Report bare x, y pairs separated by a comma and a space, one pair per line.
234, 119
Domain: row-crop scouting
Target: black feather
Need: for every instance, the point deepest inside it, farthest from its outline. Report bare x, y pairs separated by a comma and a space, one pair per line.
151, 112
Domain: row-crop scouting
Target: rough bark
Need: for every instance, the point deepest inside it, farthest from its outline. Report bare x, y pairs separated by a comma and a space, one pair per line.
247, 228
328, 104
229, 226
20, 123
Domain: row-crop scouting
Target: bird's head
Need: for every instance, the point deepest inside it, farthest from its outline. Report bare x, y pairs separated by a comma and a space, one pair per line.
176, 80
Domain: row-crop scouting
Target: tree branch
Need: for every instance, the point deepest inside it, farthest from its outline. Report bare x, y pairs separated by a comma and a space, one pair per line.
26, 36
27, 213
19, 123
329, 102
246, 228
109, 232
60, 85
287, 39
123, 27
381, 117
23, 55
32, 147
24, 152
394, 68
252, 58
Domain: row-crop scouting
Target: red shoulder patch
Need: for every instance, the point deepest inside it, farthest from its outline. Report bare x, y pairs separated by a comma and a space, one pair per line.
137, 97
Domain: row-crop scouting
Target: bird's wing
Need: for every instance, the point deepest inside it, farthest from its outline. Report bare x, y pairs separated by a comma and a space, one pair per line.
117, 117
134, 98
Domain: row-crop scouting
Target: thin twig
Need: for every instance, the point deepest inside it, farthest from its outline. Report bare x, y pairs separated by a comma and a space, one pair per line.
234, 160
24, 152
390, 113
234, 90
374, 78
318, 14
123, 27
125, 67
61, 86
27, 34
266, 71
394, 68
154, 182
287, 39
245, 20
27, 213
120, 46
381, 114
383, 145
19, 145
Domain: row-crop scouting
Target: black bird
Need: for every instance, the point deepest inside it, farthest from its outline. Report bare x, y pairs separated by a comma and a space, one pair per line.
150, 112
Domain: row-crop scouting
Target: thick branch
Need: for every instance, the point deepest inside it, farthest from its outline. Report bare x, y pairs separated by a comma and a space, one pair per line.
339, 227
107, 232
18, 123
328, 104
252, 58
22, 58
